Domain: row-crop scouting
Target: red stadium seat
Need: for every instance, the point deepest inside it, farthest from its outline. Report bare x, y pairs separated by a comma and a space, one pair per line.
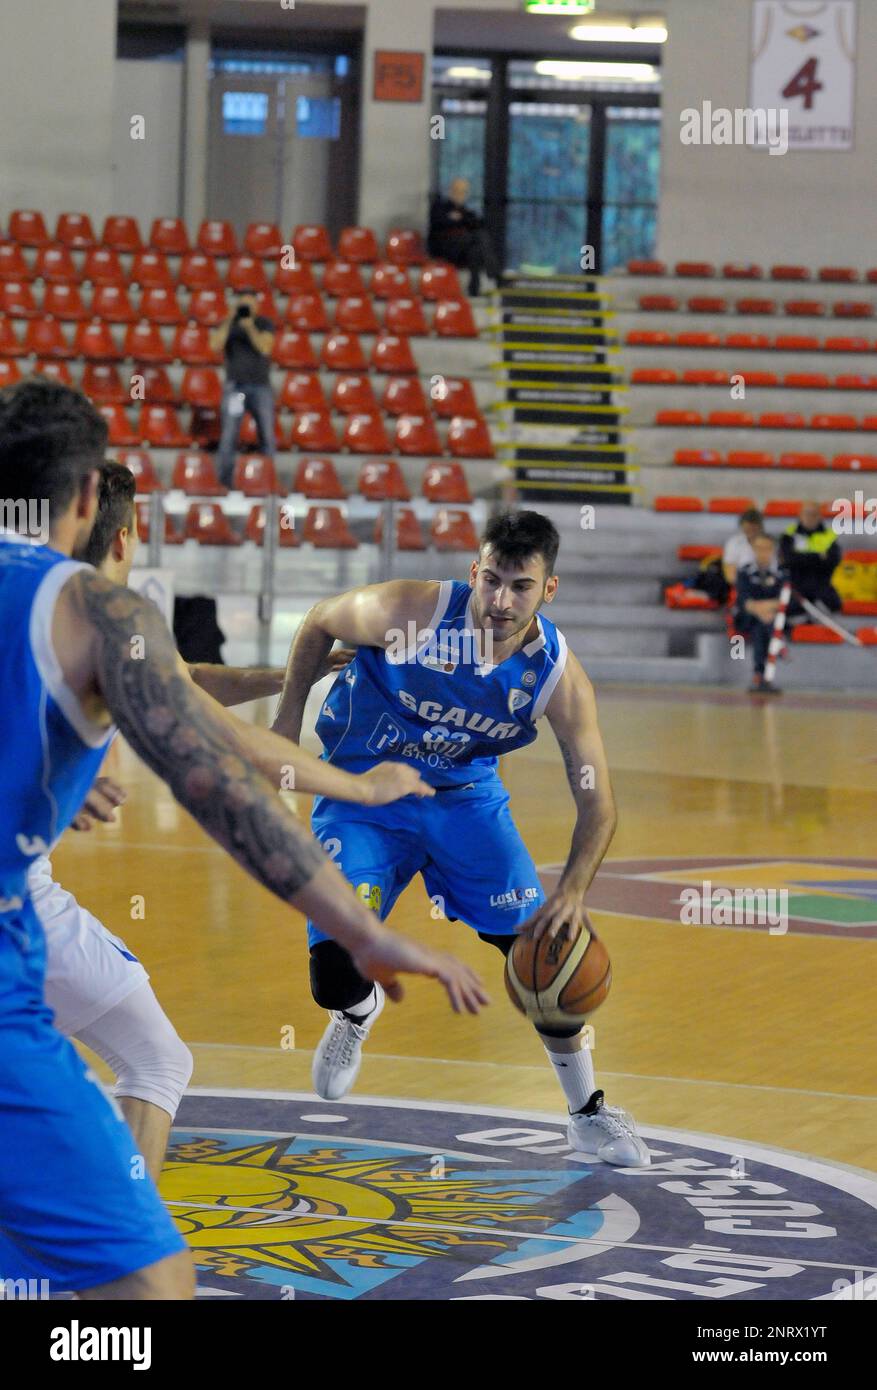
731, 419
390, 282
405, 247
755, 306
854, 381
679, 417
680, 596
207, 524
64, 302
833, 421
789, 272
266, 306
747, 340
17, 301
445, 482
169, 235
754, 378
9, 344
195, 475
453, 395
838, 274
818, 633
408, 533
750, 458
121, 431
158, 388
852, 309
286, 534
707, 304
810, 381
782, 506
191, 346
160, 305
452, 529
648, 337
381, 480
659, 376
295, 279
249, 434
263, 239
313, 430
217, 238
198, 272
112, 303
56, 266
103, 267
122, 234
804, 308
698, 458
13, 265
54, 371
311, 243
454, 319
869, 422
103, 385
358, 244
678, 504
356, 314
246, 273
730, 506
205, 427
95, 342
307, 313
658, 303
699, 270
404, 395
406, 316
171, 535
732, 271
74, 229
781, 420
208, 307
150, 270
45, 338
342, 352
160, 426
646, 267
695, 338
440, 282
256, 476
293, 350
796, 342
316, 478
326, 528
855, 463
143, 342
417, 434
201, 386
391, 353
28, 228
469, 438
140, 464
847, 344
353, 395
302, 391
698, 552
364, 433
342, 278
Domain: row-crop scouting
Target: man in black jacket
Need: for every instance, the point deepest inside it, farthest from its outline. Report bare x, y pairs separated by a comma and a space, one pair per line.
457, 234
810, 552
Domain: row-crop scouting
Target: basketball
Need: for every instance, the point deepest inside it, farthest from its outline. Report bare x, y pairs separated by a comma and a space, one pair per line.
557, 982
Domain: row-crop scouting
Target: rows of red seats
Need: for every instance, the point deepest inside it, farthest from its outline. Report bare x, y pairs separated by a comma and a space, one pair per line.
727, 506
74, 231
717, 304
758, 342
767, 420
762, 458
706, 270
793, 381
325, 527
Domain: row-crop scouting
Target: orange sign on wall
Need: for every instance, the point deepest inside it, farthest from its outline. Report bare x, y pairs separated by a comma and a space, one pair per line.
398, 76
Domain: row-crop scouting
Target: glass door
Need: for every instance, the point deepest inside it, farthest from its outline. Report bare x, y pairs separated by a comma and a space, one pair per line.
548, 166
630, 189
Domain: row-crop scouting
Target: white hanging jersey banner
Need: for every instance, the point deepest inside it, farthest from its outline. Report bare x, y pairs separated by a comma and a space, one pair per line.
803, 60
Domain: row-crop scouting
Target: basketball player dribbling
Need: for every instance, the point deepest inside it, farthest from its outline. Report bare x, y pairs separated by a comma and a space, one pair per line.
97, 989
80, 654
420, 689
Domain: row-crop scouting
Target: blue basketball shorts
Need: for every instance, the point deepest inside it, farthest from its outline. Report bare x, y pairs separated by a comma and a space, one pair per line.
76, 1206
475, 866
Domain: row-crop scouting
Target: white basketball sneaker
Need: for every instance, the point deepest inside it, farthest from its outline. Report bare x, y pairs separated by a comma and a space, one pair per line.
607, 1133
338, 1057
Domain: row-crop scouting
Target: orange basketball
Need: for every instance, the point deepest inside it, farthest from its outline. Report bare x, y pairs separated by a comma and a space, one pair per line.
557, 983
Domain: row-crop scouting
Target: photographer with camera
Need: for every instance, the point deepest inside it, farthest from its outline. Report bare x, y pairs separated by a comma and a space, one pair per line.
246, 338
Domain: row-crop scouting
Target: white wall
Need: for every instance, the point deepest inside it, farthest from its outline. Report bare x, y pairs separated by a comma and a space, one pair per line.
146, 173
56, 105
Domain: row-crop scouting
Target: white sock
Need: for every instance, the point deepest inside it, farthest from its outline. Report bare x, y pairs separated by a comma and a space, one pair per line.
573, 1067
366, 1006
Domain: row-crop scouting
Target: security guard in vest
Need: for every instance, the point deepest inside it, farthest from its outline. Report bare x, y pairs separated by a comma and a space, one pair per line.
810, 553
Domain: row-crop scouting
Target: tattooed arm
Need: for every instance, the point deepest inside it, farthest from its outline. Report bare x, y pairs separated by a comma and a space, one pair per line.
572, 714
115, 652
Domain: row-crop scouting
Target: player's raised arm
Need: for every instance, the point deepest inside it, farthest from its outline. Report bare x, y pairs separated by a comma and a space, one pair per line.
364, 617
572, 714
124, 658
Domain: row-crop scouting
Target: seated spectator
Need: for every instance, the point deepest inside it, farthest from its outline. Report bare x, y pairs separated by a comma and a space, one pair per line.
457, 234
758, 596
810, 553
738, 548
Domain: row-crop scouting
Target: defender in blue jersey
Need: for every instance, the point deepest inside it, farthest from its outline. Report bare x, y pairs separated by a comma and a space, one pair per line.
78, 655
448, 676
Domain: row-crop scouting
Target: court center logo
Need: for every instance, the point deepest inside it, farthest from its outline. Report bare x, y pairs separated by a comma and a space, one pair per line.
281, 1195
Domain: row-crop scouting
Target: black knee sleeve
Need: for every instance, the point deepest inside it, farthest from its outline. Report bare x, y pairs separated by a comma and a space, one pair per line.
335, 981
502, 943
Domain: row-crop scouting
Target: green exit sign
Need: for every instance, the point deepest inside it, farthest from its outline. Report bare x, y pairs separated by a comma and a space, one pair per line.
559, 6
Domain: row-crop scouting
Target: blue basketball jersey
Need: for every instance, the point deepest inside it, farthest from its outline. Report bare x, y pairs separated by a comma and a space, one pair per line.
50, 752
434, 702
